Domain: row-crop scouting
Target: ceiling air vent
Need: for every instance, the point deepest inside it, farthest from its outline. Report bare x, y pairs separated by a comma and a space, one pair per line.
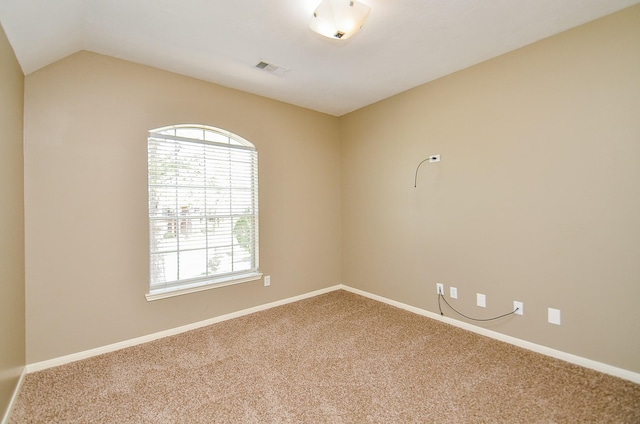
270, 67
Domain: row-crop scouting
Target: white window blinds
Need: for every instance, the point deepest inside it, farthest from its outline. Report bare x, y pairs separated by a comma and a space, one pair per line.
203, 207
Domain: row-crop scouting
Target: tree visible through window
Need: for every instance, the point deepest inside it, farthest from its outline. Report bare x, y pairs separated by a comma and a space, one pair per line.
203, 207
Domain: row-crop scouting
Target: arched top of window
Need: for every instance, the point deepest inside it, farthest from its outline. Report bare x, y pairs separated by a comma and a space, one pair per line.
202, 133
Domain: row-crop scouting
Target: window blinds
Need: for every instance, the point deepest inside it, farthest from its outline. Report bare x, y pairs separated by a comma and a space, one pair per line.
203, 207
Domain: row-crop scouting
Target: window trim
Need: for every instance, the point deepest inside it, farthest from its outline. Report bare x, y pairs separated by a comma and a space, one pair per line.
186, 286
203, 285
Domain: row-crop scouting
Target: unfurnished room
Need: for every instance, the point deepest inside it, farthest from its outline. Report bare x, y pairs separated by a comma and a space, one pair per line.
320, 211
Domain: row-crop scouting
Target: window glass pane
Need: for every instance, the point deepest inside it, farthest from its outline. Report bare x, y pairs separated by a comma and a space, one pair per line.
240, 155
192, 234
169, 131
220, 232
162, 201
162, 169
241, 202
194, 133
191, 200
163, 235
241, 259
218, 168
220, 204
220, 260
217, 137
243, 233
164, 267
193, 263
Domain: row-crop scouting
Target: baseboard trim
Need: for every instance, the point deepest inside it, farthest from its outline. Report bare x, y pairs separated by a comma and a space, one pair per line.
62, 360
558, 354
14, 397
568, 357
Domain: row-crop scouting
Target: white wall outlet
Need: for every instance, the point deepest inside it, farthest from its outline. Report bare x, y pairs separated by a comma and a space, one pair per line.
440, 288
481, 300
453, 292
434, 158
554, 316
518, 307
267, 280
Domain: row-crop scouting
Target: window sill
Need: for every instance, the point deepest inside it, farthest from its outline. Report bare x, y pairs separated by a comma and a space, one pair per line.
178, 291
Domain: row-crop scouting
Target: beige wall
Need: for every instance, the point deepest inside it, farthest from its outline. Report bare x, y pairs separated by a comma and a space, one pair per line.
537, 197
12, 333
87, 118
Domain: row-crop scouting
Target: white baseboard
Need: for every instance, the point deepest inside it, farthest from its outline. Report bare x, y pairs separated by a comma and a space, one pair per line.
558, 354
12, 402
39, 366
568, 357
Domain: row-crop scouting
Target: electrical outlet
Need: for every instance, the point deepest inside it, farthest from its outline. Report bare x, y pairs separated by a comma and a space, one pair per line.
554, 316
518, 307
267, 280
453, 292
481, 300
434, 158
440, 288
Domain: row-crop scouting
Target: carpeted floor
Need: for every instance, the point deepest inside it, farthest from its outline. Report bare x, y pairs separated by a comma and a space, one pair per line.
335, 358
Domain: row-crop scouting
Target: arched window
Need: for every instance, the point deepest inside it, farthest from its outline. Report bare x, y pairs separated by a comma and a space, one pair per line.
203, 209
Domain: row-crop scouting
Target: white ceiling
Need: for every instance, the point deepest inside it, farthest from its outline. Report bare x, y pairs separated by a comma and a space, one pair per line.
404, 43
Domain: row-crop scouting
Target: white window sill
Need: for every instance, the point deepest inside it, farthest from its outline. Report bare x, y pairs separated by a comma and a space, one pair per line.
179, 291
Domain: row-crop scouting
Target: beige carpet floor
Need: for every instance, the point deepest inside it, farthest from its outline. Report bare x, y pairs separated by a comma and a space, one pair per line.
334, 358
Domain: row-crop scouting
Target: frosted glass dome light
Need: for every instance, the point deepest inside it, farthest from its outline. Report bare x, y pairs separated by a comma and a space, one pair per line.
339, 18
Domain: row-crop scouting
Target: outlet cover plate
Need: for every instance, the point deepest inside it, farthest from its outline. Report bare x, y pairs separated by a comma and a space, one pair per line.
518, 307
453, 292
554, 316
481, 300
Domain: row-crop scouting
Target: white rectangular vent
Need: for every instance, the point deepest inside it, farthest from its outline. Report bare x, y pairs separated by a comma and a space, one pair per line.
270, 67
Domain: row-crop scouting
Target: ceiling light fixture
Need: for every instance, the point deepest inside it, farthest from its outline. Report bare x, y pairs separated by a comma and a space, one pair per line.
339, 18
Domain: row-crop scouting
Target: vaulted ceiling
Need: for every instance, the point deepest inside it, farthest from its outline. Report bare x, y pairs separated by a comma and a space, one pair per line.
404, 43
